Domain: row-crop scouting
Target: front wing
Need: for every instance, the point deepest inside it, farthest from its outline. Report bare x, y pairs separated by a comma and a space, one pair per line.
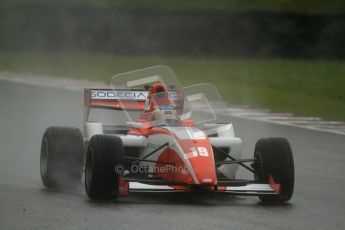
245, 190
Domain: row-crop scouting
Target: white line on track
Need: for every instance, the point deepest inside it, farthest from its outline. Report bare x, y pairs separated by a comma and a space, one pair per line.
313, 123
52, 82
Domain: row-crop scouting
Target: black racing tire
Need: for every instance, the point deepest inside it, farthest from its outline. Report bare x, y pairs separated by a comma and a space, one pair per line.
61, 158
104, 153
273, 156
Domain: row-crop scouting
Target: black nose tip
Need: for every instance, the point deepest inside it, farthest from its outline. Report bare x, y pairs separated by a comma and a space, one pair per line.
160, 92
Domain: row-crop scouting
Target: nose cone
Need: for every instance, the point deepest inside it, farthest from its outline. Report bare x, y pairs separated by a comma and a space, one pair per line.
204, 170
192, 152
201, 159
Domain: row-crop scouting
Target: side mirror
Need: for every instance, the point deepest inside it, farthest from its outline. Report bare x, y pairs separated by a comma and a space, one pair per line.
136, 125
147, 87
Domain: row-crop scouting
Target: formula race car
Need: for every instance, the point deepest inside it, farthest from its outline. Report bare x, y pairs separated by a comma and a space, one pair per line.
148, 134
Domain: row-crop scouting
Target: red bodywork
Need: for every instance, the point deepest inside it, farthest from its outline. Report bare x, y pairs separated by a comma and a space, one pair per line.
197, 153
201, 164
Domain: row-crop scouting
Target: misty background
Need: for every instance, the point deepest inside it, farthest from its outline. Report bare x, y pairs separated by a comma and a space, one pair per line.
149, 29
256, 50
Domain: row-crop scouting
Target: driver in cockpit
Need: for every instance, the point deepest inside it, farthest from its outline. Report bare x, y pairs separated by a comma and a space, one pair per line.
161, 106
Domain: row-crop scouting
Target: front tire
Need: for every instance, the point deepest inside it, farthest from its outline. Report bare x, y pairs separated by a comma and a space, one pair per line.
273, 157
103, 154
61, 157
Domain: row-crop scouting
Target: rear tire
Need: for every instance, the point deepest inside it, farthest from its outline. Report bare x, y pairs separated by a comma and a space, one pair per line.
61, 157
274, 158
103, 154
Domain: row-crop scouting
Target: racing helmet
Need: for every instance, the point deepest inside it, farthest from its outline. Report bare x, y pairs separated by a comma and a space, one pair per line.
160, 93
162, 106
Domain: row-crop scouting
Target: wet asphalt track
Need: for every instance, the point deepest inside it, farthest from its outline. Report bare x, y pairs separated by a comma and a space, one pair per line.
25, 112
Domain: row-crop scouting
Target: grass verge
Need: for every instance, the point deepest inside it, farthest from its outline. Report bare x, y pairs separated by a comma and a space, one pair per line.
303, 87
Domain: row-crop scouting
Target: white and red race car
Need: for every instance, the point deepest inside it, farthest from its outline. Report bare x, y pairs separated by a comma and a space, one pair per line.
148, 134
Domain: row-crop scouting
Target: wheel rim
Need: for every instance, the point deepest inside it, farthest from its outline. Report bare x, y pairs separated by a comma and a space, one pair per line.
88, 169
44, 158
258, 167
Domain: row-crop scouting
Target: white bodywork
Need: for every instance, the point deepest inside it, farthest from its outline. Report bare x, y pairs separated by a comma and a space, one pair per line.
225, 139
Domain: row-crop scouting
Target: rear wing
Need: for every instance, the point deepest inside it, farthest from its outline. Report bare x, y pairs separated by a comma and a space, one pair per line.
114, 107
119, 99
109, 99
